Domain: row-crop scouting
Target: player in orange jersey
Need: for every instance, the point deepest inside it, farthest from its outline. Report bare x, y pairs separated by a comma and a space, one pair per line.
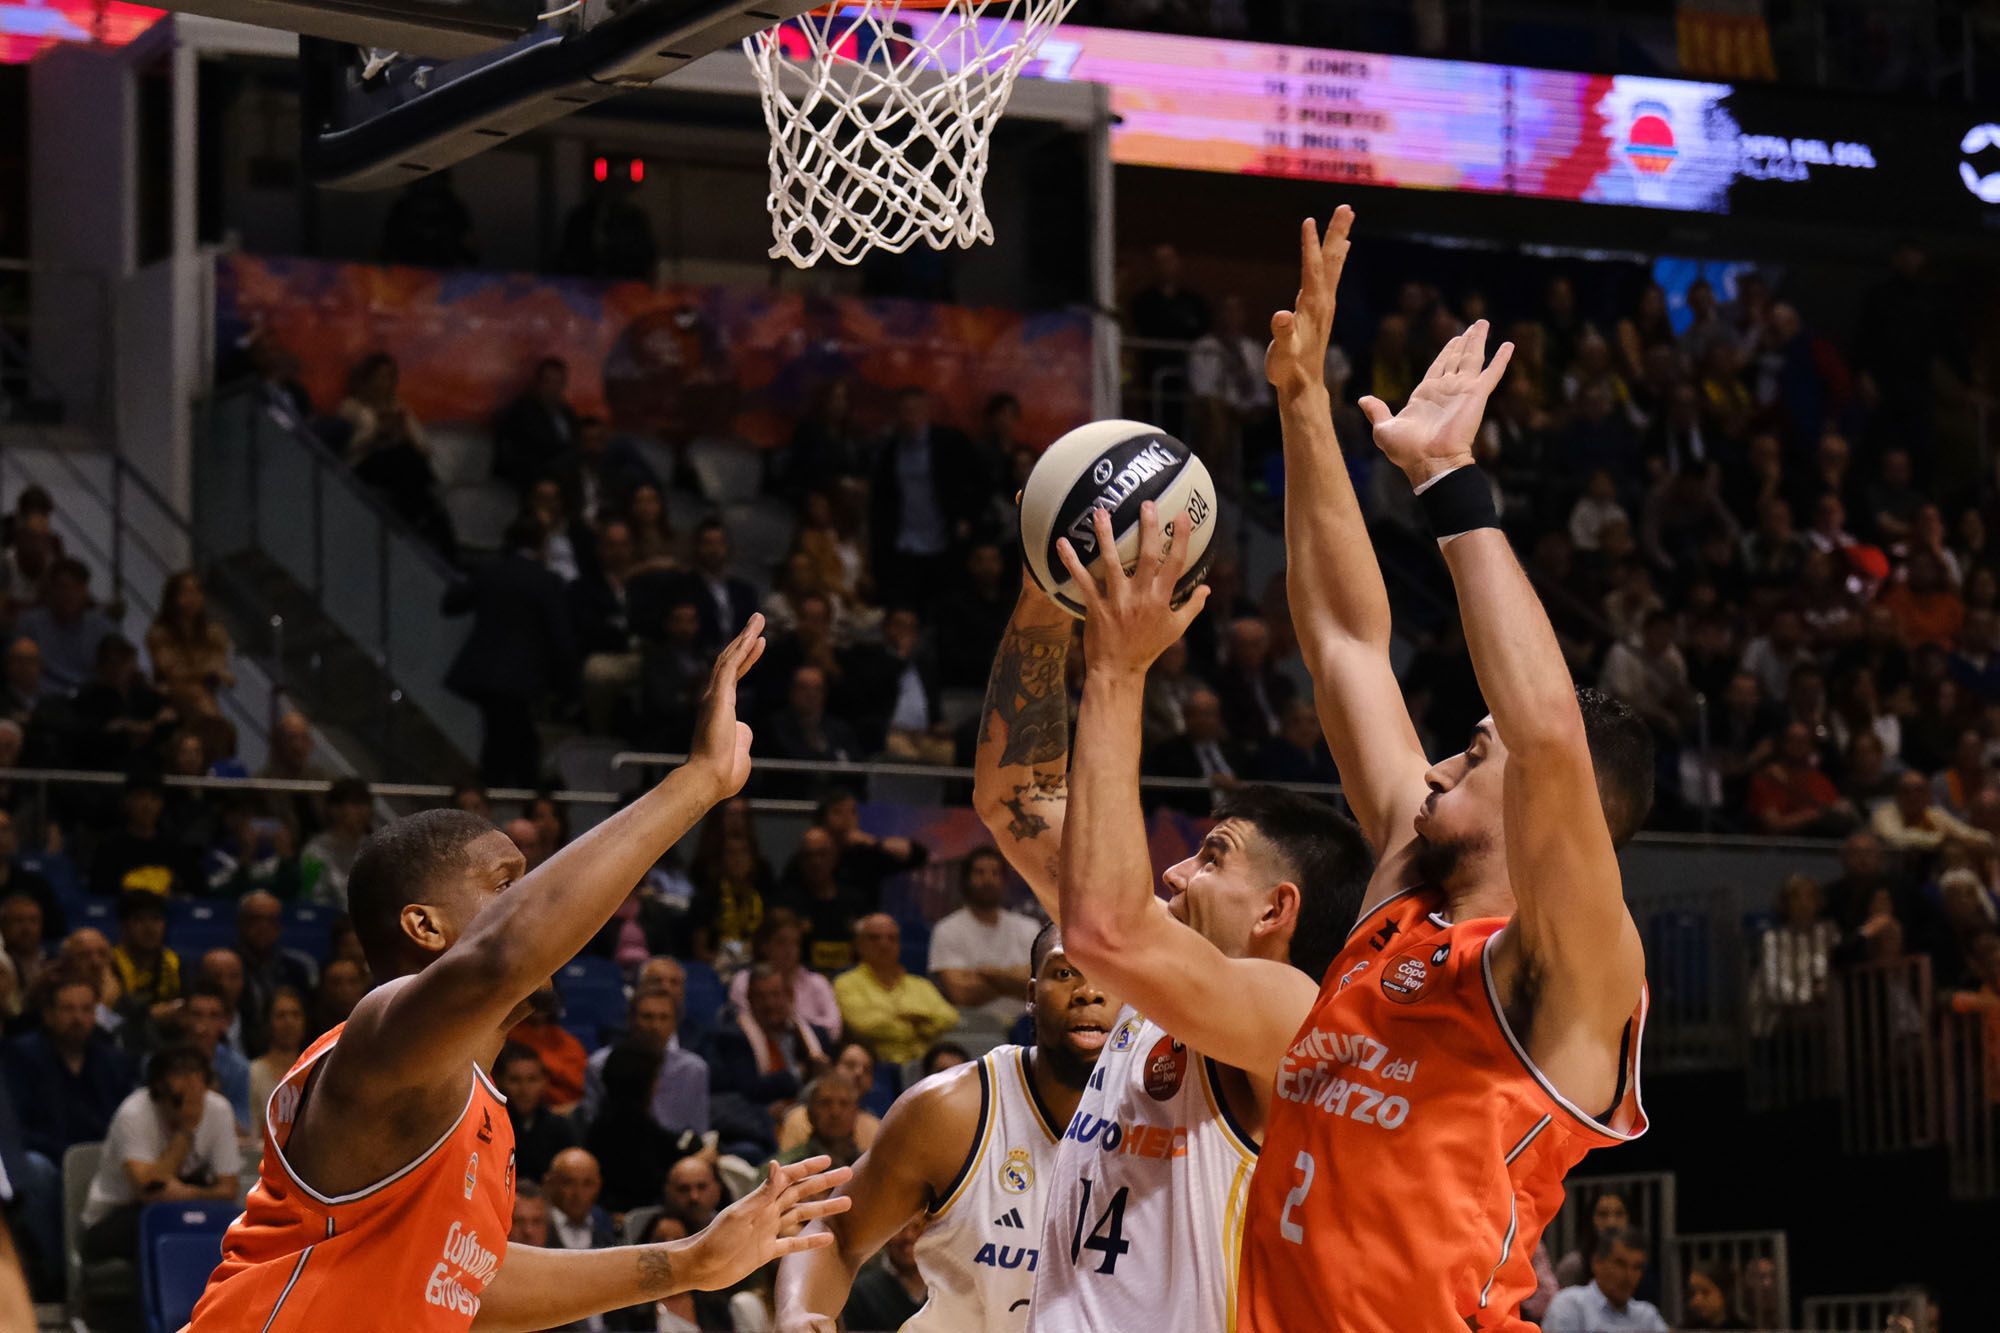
387, 1183
1480, 1032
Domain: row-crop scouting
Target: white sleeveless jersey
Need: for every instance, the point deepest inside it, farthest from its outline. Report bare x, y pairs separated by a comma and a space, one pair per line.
983, 1245
1145, 1210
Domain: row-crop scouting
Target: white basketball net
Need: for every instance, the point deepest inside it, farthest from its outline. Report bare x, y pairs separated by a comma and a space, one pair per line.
881, 121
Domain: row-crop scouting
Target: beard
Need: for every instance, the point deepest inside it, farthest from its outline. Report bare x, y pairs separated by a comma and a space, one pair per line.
1070, 1069
1437, 860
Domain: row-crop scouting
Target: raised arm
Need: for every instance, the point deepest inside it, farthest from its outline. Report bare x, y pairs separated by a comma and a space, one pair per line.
1020, 780
537, 1289
417, 1030
1243, 1011
924, 1139
1340, 610
1571, 931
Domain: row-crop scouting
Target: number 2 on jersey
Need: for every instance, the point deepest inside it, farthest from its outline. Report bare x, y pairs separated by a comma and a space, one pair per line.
1107, 1237
1287, 1228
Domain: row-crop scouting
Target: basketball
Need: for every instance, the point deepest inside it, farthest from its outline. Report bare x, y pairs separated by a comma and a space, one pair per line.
1114, 465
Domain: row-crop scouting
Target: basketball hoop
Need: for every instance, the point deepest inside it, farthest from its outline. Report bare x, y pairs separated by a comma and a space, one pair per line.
881, 116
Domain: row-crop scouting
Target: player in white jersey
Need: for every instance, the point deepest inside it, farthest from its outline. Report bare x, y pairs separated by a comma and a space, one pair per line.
973, 1149
1145, 1213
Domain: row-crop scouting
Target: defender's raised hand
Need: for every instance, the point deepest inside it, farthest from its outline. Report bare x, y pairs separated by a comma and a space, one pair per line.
1296, 360
1434, 431
765, 1224
1130, 619
721, 743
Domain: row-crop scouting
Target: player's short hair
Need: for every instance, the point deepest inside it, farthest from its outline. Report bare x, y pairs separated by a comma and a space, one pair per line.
1630, 1238
1047, 940
399, 865
1621, 754
1323, 853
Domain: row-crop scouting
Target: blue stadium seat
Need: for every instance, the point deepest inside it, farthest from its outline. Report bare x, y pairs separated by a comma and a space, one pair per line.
589, 970
888, 1082
309, 929
194, 926
706, 996
98, 913
179, 1245
593, 995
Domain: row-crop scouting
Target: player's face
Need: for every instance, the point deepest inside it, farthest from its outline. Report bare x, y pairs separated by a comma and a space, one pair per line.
1070, 1014
1222, 891
1463, 810
492, 864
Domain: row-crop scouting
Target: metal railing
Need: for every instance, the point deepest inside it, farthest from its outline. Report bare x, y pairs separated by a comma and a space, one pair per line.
1759, 1262
1885, 1064
1969, 1061
137, 525
1649, 1201
1868, 1314
264, 485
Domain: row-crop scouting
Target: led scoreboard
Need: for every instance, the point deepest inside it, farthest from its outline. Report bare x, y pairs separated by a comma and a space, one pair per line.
1253, 108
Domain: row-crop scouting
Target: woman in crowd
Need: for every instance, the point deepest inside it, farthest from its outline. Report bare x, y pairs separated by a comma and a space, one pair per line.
285, 1031
190, 653
1607, 1213
1708, 1300
653, 544
728, 904
779, 942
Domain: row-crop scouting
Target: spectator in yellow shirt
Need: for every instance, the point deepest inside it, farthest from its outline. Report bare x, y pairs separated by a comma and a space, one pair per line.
895, 1012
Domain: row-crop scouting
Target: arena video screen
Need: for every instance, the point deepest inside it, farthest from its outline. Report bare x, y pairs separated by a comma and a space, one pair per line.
1307, 113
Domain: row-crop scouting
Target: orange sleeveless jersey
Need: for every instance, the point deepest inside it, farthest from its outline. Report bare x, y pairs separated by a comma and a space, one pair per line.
1412, 1154
412, 1252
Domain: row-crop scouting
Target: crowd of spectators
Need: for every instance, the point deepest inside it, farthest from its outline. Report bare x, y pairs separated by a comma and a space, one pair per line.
1731, 521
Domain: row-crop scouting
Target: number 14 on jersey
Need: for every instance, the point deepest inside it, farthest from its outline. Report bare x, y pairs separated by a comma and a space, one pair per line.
1107, 1237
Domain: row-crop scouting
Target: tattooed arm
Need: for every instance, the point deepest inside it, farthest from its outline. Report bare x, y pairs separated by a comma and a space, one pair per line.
1021, 775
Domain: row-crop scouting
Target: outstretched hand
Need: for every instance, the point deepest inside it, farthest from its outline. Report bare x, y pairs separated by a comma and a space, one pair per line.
1296, 359
765, 1224
1130, 619
1434, 431
721, 743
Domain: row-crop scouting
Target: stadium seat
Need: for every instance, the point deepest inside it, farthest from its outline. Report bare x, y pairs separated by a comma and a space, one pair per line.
181, 1265
179, 1244
593, 995
104, 1280
195, 926
309, 929
706, 997
98, 913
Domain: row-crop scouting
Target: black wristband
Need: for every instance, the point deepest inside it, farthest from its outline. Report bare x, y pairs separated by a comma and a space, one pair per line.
1459, 501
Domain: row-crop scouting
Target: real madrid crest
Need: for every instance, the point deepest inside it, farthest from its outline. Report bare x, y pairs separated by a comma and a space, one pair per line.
1017, 1172
1122, 1038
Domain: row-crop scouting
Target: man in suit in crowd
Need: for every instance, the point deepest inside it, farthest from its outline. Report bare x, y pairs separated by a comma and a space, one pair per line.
926, 499
724, 600
537, 428
1203, 751
891, 691
600, 472
522, 649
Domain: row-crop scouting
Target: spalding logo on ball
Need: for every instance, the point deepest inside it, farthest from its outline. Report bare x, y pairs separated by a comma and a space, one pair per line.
1114, 465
